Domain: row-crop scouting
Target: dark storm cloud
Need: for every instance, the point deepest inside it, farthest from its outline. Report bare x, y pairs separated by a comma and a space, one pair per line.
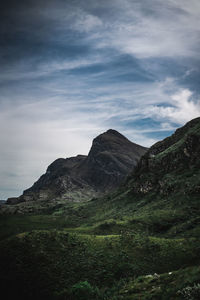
67, 29
31, 28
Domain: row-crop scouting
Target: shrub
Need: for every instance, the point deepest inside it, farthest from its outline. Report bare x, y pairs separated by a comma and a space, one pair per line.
84, 291
191, 292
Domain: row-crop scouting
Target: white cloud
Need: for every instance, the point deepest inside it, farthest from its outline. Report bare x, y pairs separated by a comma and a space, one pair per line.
24, 70
86, 22
164, 29
182, 108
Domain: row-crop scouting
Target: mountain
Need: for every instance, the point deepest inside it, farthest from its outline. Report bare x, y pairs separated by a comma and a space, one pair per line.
139, 241
111, 158
161, 195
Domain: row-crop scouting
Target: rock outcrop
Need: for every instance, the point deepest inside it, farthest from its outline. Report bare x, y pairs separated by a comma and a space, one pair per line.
171, 165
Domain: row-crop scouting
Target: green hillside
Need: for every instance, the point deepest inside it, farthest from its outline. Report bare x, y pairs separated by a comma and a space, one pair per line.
50, 263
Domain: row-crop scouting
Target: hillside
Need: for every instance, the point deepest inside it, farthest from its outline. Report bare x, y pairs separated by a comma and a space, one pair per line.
140, 241
162, 194
54, 264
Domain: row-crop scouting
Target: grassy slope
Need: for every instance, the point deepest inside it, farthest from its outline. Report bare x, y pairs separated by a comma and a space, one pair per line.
48, 263
171, 285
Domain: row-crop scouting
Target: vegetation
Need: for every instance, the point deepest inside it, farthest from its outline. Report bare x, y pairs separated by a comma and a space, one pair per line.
59, 265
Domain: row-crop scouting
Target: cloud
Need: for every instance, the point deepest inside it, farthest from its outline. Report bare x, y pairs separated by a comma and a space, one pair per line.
164, 29
182, 110
86, 22
24, 69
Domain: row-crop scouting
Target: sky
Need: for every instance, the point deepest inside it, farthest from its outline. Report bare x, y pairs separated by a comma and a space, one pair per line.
72, 69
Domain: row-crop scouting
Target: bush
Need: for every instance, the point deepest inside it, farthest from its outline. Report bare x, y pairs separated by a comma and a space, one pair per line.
84, 291
107, 225
191, 292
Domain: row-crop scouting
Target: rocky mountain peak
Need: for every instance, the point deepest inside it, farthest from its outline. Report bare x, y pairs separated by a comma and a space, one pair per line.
111, 133
114, 142
107, 141
111, 158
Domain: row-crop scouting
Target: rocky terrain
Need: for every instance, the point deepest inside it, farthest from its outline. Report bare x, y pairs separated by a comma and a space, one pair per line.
171, 165
111, 158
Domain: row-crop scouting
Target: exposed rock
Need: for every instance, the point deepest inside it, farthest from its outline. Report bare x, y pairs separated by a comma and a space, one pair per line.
111, 158
13, 200
169, 160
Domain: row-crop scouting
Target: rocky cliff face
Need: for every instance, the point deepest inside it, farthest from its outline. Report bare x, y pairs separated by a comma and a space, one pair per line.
111, 158
171, 165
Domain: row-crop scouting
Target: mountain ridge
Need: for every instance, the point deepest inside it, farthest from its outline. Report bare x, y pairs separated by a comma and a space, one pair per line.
174, 154
111, 157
